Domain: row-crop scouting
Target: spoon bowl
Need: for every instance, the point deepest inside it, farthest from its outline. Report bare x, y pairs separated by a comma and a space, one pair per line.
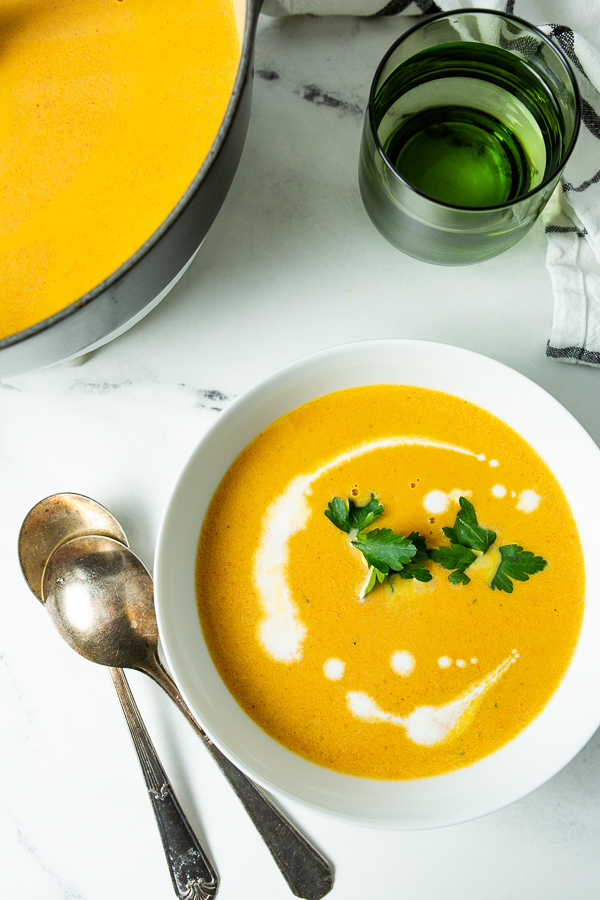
99, 596
53, 521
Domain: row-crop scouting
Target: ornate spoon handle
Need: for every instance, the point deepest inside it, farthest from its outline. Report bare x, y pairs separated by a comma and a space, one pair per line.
192, 873
306, 871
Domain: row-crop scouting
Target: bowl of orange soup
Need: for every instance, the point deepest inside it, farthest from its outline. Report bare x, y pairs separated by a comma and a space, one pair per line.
123, 124
377, 585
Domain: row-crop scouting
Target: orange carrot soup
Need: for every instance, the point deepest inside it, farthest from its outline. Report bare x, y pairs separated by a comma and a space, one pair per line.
390, 582
108, 110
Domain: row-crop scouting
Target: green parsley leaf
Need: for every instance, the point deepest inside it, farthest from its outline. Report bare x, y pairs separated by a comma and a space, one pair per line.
373, 576
347, 516
337, 512
416, 570
467, 530
419, 542
361, 517
459, 577
453, 557
385, 550
518, 564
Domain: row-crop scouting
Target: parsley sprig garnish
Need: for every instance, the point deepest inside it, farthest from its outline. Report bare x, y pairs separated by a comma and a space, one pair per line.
466, 536
467, 531
415, 568
455, 557
350, 517
518, 564
387, 553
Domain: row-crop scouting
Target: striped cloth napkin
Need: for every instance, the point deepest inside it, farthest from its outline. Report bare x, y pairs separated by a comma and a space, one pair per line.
572, 218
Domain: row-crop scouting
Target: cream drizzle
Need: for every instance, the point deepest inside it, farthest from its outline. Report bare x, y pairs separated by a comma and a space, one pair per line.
427, 725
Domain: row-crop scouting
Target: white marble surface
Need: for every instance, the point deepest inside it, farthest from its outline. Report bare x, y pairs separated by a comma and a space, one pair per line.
291, 265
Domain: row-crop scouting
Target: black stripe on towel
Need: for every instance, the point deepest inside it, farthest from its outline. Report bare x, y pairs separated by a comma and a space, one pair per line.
590, 118
566, 39
395, 7
591, 357
567, 186
565, 229
430, 7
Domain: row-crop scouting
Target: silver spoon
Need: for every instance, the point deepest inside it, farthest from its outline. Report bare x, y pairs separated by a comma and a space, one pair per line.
53, 521
100, 597
49, 524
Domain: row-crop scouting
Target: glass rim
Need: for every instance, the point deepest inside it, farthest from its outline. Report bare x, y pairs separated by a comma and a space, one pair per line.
465, 12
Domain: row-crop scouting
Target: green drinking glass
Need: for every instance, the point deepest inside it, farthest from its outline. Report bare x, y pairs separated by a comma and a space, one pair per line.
471, 118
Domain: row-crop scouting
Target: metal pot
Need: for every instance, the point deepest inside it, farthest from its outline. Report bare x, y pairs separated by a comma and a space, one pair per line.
146, 277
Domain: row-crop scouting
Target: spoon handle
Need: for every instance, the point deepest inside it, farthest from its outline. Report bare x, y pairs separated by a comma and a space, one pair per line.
192, 873
306, 871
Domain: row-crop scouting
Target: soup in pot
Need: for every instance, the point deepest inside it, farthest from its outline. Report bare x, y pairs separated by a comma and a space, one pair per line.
108, 110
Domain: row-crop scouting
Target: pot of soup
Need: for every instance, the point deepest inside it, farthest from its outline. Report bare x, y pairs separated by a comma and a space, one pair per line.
124, 125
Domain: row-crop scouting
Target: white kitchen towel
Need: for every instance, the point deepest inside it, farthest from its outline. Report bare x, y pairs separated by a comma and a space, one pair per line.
572, 218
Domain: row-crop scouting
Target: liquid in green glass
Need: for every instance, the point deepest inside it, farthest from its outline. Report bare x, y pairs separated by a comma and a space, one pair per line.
469, 124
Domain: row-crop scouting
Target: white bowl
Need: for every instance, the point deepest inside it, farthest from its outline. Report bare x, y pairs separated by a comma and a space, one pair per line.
537, 753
